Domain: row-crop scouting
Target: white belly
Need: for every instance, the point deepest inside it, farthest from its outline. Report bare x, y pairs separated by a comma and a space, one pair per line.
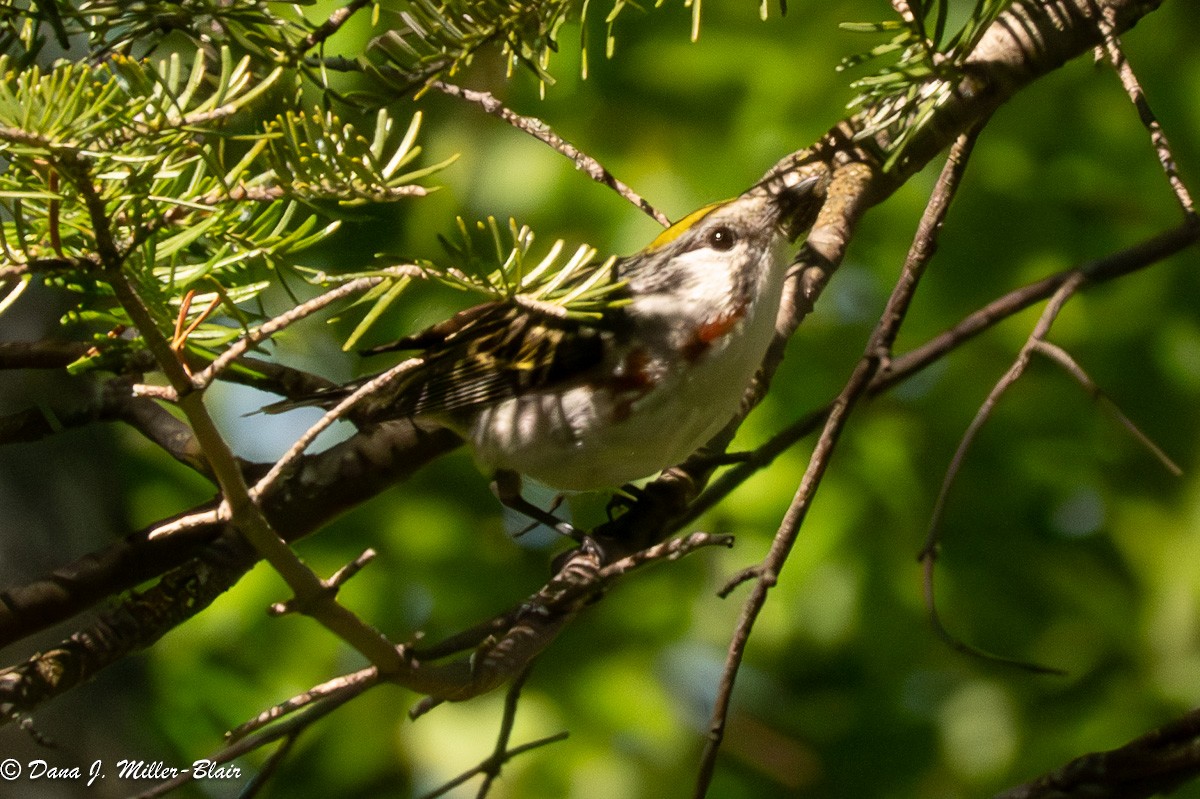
585, 439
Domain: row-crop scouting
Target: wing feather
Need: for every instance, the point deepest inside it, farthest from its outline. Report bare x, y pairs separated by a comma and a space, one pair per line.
487, 354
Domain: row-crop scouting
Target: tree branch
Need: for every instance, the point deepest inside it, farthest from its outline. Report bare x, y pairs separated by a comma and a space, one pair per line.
1155, 763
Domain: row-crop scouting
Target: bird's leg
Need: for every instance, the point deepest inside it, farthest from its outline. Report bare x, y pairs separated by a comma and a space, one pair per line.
506, 486
555, 504
710, 459
623, 498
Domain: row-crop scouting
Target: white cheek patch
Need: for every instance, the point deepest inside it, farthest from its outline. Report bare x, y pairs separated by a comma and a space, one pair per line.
701, 281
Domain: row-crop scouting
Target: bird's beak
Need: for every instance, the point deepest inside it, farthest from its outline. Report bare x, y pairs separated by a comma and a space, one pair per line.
797, 199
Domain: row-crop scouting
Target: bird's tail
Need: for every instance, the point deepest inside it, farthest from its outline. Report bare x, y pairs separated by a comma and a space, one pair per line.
322, 398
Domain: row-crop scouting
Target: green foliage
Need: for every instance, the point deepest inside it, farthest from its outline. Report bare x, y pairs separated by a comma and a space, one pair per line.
198, 203
314, 157
142, 154
138, 27
433, 39
927, 67
580, 287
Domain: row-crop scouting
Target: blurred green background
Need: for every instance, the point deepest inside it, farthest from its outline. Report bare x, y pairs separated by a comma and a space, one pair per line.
1065, 542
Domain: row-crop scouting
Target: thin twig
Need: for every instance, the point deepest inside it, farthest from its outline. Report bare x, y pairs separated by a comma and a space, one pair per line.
191, 521
902, 367
501, 754
1002, 385
338, 690
491, 767
331, 25
264, 774
288, 728
1071, 367
929, 552
1116, 56
542, 132
293, 315
672, 549
331, 416
332, 584
856, 387
929, 594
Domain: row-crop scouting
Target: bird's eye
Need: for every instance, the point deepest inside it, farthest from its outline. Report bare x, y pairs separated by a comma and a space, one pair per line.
722, 239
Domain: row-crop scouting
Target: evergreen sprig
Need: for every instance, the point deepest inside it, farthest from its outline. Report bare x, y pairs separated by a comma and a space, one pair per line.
498, 263
196, 205
505, 269
902, 96
317, 156
195, 213
431, 39
123, 26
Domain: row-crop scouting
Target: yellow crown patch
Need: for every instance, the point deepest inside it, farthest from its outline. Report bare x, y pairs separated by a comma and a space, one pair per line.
679, 228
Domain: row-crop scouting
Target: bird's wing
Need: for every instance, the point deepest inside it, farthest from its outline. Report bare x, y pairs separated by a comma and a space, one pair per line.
486, 354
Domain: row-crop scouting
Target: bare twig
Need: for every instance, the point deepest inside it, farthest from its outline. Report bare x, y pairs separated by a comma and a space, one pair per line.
287, 729
190, 521
1153, 764
264, 774
673, 549
902, 367
332, 415
275, 378
1071, 367
1035, 343
332, 585
767, 572
293, 315
929, 594
491, 768
330, 26
542, 132
1123, 262
1020, 363
603, 578
339, 691
928, 554
1116, 56
501, 754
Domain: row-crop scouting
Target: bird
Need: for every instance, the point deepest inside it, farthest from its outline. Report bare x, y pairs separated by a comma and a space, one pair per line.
596, 402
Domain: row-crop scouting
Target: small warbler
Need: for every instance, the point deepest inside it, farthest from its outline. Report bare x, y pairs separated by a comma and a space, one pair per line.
594, 404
